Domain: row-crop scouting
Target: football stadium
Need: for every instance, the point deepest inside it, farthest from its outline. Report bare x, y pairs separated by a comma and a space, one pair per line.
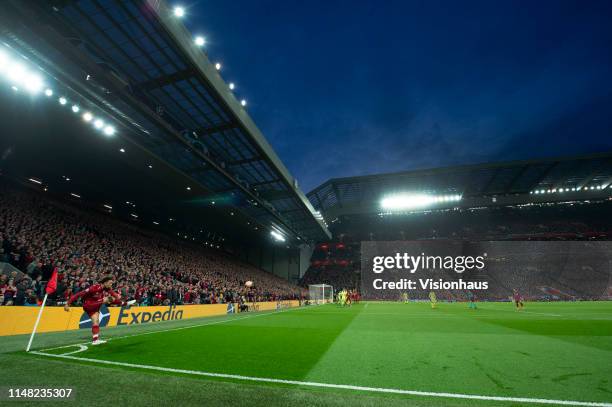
157, 250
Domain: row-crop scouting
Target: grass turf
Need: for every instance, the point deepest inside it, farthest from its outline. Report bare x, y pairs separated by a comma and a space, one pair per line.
560, 351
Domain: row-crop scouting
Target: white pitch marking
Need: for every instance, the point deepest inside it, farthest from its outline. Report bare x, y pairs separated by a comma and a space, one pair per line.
82, 348
182, 327
334, 386
525, 312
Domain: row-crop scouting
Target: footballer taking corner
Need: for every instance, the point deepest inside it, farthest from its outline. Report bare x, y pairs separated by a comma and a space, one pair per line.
93, 298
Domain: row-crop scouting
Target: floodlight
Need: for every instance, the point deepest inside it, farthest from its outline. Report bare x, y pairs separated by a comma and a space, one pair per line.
75, 108
408, 201
243, 102
33, 83
232, 86
48, 92
98, 124
179, 11
62, 101
218, 66
109, 130
199, 41
277, 236
17, 72
87, 117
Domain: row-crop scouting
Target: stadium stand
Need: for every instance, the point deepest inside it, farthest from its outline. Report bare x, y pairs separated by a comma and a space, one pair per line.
39, 235
559, 200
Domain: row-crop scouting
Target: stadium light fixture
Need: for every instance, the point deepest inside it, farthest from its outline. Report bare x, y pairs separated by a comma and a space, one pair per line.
110, 208
188, 188
33, 83
232, 85
155, 223
17, 72
62, 101
48, 92
122, 150
109, 130
218, 66
87, 117
75, 195
200, 41
243, 102
277, 236
75, 108
98, 124
36, 181
414, 201
179, 11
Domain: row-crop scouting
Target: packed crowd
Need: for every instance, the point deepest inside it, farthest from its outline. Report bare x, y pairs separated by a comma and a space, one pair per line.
38, 236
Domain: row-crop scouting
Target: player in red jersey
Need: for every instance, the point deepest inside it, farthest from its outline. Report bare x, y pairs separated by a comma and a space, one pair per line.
93, 298
517, 299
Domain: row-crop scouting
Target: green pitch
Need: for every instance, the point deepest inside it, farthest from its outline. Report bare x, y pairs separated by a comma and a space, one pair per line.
553, 351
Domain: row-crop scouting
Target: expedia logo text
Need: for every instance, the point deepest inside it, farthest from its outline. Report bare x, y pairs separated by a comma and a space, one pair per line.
130, 316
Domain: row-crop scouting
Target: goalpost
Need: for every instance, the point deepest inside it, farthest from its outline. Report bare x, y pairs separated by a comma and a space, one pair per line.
320, 293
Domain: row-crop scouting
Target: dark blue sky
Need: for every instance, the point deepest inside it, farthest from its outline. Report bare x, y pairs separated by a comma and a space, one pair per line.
343, 88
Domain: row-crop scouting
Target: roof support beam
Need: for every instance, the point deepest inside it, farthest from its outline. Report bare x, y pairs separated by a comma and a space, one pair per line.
166, 80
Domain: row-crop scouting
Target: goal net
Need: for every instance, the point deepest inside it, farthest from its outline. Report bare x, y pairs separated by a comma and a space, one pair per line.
320, 293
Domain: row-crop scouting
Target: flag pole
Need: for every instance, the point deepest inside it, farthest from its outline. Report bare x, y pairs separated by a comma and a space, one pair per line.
37, 321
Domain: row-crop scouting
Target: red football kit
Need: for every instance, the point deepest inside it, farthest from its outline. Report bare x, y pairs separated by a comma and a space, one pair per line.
93, 298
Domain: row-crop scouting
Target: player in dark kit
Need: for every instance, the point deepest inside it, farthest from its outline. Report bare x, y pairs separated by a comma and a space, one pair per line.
517, 299
93, 298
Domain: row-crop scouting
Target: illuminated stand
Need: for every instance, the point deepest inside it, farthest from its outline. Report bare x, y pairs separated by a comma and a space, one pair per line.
320, 293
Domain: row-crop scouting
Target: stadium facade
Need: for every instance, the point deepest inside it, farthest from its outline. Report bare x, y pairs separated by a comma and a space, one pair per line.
182, 153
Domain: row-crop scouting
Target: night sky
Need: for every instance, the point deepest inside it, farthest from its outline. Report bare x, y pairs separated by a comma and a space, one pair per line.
344, 88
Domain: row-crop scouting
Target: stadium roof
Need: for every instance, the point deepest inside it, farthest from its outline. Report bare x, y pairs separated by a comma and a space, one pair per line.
551, 179
138, 65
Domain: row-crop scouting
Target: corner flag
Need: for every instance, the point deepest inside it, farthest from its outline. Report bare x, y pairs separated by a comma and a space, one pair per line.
52, 283
50, 289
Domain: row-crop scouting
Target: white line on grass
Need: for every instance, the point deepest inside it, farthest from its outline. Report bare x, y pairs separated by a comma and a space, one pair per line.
179, 328
524, 312
333, 386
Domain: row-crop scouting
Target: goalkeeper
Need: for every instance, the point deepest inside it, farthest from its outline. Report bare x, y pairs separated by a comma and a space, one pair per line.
471, 300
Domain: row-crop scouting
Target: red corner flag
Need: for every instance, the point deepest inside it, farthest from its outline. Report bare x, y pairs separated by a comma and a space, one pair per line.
52, 284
